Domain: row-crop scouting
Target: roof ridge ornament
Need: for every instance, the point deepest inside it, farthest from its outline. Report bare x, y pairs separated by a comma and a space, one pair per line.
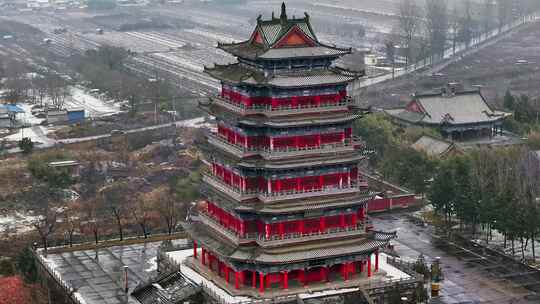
283, 16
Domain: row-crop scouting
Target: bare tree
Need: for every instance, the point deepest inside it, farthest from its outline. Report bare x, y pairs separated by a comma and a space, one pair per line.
92, 218
504, 13
466, 24
115, 198
57, 90
437, 25
170, 210
409, 23
143, 213
71, 220
488, 15
47, 213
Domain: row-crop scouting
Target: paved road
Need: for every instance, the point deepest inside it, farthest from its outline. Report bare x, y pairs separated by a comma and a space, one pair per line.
462, 284
47, 142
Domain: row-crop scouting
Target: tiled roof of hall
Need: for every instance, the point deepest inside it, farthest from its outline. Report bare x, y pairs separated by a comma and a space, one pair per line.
313, 250
239, 73
267, 39
444, 108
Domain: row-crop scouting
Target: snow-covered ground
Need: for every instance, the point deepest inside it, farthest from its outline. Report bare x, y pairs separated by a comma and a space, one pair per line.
180, 256
17, 222
93, 107
38, 134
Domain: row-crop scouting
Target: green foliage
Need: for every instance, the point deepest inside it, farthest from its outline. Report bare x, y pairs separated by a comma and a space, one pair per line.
6, 267
187, 188
101, 4
26, 265
26, 145
407, 167
110, 56
413, 133
509, 100
377, 131
54, 177
420, 294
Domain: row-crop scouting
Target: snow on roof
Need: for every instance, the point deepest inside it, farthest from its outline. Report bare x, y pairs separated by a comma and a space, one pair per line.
12, 108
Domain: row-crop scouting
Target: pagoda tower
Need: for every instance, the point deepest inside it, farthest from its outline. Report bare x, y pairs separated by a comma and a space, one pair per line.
285, 202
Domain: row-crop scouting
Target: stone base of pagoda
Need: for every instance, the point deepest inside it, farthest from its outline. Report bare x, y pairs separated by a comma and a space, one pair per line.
246, 286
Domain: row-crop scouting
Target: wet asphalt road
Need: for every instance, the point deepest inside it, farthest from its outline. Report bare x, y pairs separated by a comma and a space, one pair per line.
463, 283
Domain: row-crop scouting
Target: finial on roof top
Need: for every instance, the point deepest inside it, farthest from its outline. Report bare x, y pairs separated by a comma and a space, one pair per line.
283, 16
307, 15
273, 17
259, 19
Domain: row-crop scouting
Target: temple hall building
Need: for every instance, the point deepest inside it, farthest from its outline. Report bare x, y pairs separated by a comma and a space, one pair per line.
457, 113
286, 205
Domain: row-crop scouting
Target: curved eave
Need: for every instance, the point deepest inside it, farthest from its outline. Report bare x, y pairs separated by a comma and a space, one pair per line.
307, 163
296, 123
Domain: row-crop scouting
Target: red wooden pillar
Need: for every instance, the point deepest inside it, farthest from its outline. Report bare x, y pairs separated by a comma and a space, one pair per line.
267, 280
302, 277
321, 182
281, 227
203, 256
267, 231
301, 228
285, 280
322, 274
226, 268
298, 184
261, 282
242, 229
254, 279
297, 141
369, 266
345, 271
278, 185
353, 220
352, 268
194, 249
319, 140
376, 261
236, 280
322, 224
342, 221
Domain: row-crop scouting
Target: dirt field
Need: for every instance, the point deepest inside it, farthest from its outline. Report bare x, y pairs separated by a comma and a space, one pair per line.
512, 63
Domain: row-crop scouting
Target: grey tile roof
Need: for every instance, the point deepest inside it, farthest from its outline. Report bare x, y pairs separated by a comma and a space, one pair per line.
432, 146
325, 250
461, 108
271, 32
239, 73
302, 52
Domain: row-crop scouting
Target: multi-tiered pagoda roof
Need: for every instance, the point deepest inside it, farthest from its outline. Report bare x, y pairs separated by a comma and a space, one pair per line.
284, 195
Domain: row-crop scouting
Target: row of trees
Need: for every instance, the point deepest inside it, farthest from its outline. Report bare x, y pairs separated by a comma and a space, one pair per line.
495, 188
22, 85
120, 208
428, 30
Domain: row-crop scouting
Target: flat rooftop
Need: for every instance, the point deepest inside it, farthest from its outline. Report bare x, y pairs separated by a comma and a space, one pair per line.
97, 275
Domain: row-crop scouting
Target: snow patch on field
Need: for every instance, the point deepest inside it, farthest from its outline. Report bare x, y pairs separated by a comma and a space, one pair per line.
16, 223
153, 265
38, 134
93, 107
